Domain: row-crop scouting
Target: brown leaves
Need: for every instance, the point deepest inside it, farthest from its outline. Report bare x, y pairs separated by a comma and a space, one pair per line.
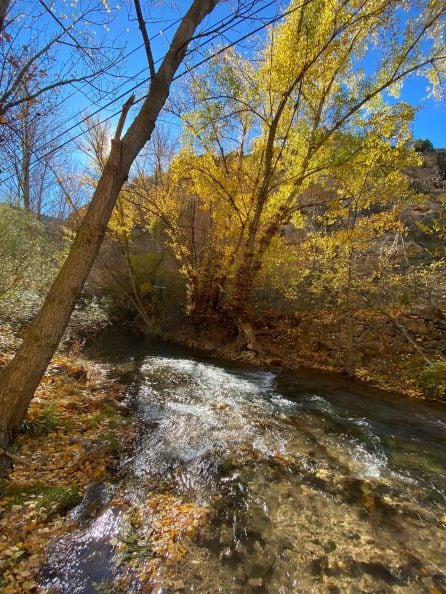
67, 442
158, 534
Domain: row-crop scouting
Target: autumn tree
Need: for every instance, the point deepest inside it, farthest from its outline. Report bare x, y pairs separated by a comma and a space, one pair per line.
262, 132
352, 253
19, 379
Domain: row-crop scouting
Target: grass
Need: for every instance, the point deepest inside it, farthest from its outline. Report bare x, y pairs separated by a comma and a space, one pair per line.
46, 422
49, 498
112, 443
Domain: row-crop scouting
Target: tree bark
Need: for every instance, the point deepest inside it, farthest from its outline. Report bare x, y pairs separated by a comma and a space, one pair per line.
26, 140
20, 378
4, 7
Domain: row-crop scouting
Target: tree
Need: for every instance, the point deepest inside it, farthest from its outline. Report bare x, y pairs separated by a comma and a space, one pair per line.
46, 52
351, 252
30, 40
4, 6
19, 379
35, 179
423, 146
261, 134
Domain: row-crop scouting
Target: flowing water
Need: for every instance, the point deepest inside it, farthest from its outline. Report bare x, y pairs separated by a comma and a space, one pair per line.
313, 483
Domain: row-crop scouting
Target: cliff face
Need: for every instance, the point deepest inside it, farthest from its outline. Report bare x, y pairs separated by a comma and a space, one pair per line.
431, 176
422, 218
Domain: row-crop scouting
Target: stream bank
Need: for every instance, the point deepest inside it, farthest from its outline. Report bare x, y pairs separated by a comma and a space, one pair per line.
76, 429
390, 350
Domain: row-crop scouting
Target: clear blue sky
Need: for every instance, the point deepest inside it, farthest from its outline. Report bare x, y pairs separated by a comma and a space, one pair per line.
430, 119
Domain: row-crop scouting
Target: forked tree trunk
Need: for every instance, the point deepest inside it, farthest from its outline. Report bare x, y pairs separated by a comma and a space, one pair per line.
242, 284
19, 379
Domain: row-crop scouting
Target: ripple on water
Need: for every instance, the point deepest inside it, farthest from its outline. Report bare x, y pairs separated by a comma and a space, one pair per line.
306, 493
78, 562
206, 410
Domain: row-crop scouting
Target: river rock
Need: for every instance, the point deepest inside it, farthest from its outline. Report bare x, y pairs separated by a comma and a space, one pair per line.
416, 326
94, 499
255, 583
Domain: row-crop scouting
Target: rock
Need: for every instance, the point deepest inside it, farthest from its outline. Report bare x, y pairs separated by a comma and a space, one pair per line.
255, 582
370, 348
83, 441
369, 335
94, 499
416, 326
427, 313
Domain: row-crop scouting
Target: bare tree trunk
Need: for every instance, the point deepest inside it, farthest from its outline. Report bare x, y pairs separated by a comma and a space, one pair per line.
19, 379
4, 7
350, 360
26, 160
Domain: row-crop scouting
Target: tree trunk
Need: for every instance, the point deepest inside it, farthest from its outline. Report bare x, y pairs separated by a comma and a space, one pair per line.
242, 284
19, 379
4, 7
251, 263
26, 159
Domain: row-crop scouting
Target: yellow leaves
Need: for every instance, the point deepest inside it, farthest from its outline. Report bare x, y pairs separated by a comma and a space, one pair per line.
395, 89
159, 532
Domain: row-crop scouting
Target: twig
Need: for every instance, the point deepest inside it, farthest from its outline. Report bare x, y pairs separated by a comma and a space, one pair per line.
14, 458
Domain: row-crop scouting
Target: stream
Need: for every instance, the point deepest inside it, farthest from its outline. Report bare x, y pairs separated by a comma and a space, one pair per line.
312, 483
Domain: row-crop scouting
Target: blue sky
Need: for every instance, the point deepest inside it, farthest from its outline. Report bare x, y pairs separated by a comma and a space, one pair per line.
430, 119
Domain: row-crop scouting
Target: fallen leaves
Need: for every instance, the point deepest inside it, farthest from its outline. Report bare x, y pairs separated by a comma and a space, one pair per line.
69, 440
158, 534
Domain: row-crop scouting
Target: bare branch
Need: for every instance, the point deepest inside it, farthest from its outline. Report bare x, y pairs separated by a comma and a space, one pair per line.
125, 109
145, 37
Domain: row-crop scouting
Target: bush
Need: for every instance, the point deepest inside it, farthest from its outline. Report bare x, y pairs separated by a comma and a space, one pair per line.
30, 257
90, 315
433, 378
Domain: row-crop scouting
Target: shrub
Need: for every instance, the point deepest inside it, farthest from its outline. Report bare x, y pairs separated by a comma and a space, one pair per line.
30, 256
433, 378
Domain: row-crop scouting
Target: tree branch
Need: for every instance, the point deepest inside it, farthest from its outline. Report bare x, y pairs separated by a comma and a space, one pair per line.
145, 37
125, 109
